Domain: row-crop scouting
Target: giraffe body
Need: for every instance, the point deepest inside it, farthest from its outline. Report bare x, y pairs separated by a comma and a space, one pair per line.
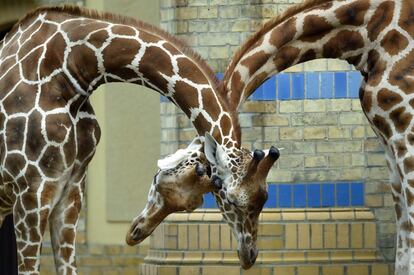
377, 37
50, 63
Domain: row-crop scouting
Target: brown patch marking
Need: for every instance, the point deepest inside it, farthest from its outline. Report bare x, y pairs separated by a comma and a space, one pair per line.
408, 164
186, 96
388, 99
201, 124
35, 141
54, 56
15, 133
27, 65
283, 34
154, 62
354, 60
402, 72
401, 148
376, 68
381, 19
353, 13
407, 16
98, 38
366, 100
79, 30
51, 163
236, 85
188, 69
255, 82
401, 119
22, 100
394, 42
83, 65
285, 57
343, 42
314, 28
58, 126
255, 61
382, 125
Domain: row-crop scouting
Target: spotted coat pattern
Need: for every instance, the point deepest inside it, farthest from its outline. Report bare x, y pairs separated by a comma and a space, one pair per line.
49, 64
376, 36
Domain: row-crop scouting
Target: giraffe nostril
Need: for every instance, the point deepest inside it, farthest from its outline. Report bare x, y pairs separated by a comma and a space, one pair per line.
253, 255
136, 234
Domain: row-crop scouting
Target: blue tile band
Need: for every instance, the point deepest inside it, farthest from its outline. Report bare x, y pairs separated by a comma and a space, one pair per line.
306, 85
310, 195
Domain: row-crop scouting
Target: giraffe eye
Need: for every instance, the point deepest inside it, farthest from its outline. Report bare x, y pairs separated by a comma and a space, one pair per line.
200, 170
217, 182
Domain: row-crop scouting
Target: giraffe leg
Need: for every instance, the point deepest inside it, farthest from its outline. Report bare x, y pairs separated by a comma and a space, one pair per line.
402, 247
6, 204
403, 194
30, 214
63, 221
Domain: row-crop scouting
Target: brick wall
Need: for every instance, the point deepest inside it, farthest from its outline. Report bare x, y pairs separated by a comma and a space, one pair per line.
312, 111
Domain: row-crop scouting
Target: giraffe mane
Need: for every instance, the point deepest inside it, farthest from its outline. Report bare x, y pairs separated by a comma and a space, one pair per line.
267, 26
120, 19
176, 42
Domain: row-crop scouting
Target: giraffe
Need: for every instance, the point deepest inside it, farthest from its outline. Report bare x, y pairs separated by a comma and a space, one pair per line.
50, 63
375, 36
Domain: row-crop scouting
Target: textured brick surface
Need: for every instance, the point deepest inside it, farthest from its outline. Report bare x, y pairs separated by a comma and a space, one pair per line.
325, 136
293, 242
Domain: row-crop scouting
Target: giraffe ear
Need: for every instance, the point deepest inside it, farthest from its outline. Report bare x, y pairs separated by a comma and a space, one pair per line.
214, 152
172, 161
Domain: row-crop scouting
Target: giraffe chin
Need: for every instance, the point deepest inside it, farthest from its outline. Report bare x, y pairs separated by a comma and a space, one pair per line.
136, 236
247, 256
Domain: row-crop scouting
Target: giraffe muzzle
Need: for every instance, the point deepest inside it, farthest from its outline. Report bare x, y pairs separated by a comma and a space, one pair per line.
247, 256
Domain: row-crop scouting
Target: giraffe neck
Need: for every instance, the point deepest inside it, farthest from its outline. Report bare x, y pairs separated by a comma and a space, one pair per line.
92, 49
347, 30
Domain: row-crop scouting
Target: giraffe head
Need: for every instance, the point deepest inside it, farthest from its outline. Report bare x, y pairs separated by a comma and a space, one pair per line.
179, 185
239, 177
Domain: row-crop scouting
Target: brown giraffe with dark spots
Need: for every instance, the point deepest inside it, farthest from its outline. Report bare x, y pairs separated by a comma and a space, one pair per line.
376, 36
50, 63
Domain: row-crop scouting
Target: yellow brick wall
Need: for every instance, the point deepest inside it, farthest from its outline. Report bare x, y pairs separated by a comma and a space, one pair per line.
295, 241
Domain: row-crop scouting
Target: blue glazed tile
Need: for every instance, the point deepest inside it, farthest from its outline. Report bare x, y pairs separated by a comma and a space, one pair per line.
164, 99
283, 86
342, 194
354, 84
327, 81
299, 195
340, 85
314, 195
357, 194
312, 85
257, 95
209, 201
328, 195
285, 195
272, 197
269, 89
219, 76
298, 86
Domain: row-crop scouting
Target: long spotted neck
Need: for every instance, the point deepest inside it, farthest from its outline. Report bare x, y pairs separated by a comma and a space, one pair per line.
348, 30
92, 51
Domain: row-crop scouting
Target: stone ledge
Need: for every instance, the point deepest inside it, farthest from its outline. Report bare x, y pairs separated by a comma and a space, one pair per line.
264, 258
274, 215
285, 269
